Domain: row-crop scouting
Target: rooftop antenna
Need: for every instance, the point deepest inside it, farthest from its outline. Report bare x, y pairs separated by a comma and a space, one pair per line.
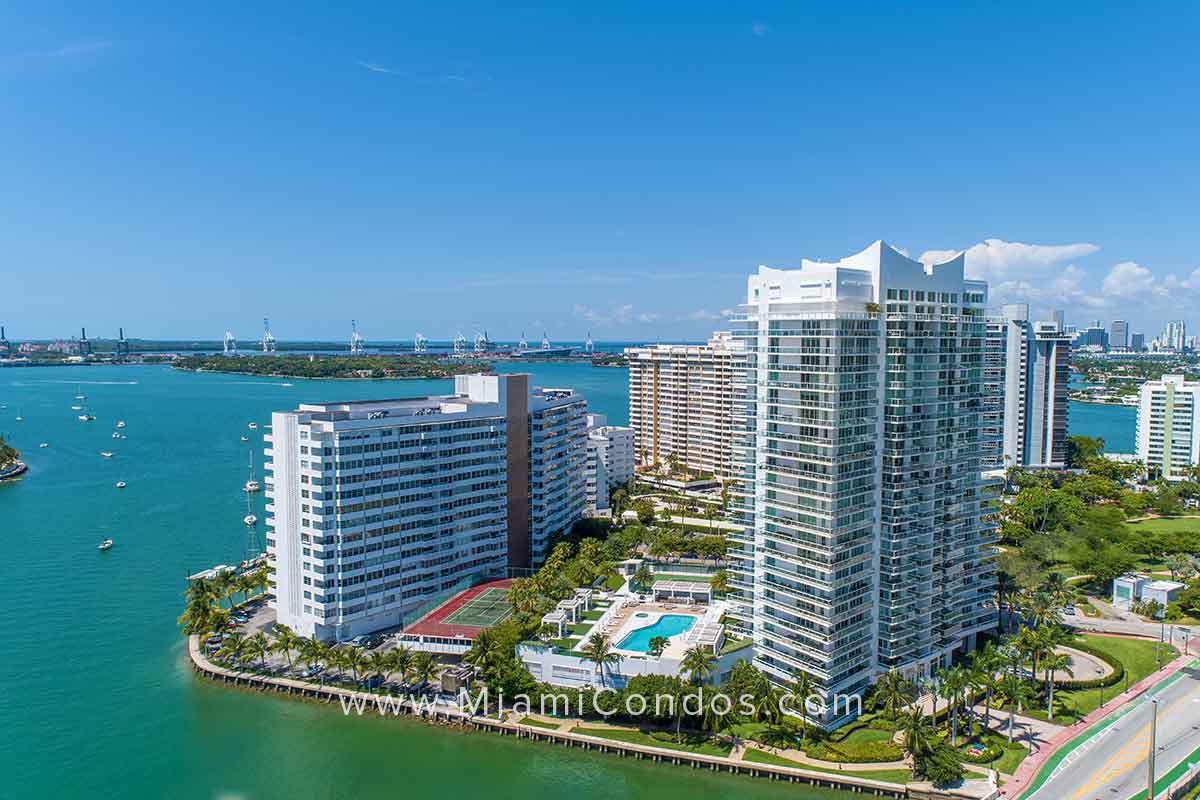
268, 341
419, 343
589, 346
460, 343
230, 344
356, 341
522, 345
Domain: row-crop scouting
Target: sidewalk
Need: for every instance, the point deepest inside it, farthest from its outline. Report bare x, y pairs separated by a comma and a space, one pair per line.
1030, 768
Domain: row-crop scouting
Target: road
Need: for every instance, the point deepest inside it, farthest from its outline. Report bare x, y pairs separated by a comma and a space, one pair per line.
1109, 761
1130, 625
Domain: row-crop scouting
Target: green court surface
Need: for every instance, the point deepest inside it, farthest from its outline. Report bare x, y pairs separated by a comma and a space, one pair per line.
482, 611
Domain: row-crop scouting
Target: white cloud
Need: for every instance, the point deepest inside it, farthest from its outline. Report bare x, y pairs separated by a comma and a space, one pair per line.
998, 260
616, 315
1129, 279
371, 65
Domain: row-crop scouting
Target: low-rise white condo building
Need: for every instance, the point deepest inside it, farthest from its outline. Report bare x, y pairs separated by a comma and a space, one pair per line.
1168, 426
610, 460
857, 470
681, 402
1026, 373
378, 506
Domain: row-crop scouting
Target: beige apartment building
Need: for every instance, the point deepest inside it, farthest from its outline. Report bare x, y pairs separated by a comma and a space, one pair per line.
680, 403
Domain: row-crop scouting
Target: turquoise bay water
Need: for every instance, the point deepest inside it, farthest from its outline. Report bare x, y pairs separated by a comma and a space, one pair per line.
96, 699
667, 625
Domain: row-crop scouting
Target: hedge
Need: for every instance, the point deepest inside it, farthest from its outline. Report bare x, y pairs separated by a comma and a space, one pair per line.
1112, 679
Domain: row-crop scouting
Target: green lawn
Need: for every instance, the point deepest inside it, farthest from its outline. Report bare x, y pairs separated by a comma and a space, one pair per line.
663, 576
564, 644
537, 723
861, 744
732, 644
1138, 656
614, 582
594, 615
690, 744
900, 776
1168, 524
582, 628
1011, 755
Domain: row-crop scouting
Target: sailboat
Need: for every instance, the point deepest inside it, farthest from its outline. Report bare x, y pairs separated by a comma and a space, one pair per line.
249, 519
18, 417
78, 394
251, 484
105, 544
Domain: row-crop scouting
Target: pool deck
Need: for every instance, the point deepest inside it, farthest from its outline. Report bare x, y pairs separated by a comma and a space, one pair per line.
625, 621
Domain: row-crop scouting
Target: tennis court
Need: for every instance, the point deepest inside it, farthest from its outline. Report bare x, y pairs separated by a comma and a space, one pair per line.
483, 610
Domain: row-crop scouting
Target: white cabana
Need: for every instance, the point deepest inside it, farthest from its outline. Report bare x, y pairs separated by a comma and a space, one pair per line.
574, 607
557, 618
691, 591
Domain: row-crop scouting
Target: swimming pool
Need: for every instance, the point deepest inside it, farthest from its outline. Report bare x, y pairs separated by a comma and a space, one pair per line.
667, 625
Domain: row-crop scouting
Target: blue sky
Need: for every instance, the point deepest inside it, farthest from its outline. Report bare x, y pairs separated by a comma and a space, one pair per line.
571, 167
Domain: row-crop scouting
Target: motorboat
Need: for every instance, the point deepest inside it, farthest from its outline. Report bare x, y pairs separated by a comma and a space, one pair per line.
105, 544
120, 423
44, 444
116, 435
106, 454
86, 418
120, 484
245, 439
253, 426
77, 408
249, 519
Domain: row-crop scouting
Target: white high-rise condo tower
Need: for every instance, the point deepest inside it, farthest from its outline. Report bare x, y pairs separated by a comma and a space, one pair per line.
379, 507
1026, 372
1168, 426
857, 470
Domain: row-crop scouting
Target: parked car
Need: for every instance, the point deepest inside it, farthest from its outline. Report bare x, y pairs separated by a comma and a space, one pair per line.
1068, 609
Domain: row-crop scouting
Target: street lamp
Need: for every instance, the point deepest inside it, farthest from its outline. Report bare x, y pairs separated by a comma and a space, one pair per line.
1153, 747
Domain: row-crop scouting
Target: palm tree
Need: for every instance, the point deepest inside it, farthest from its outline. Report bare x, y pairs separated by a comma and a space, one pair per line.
482, 655
423, 669
893, 692
1006, 587
1015, 692
802, 687
643, 578
920, 736
658, 644
954, 683
698, 663
312, 653
986, 662
377, 662
599, 651
258, 646
720, 582
402, 659
353, 659
285, 642
1055, 662
233, 649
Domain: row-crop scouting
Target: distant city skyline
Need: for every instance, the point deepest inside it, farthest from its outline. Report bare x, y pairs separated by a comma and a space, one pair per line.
618, 169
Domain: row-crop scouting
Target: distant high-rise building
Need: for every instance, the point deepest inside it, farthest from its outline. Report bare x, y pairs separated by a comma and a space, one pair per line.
5, 346
610, 460
857, 470
1137, 342
84, 346
1168, 426
1026, 374
1094, 337
1174, 336
380, 506
681, 400
1118, 337
1059, 317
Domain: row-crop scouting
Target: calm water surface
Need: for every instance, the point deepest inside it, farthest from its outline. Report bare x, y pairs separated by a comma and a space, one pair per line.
96, 699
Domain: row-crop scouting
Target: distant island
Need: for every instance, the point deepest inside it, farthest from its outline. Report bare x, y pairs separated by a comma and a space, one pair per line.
609, 360
10, 461
321, 366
